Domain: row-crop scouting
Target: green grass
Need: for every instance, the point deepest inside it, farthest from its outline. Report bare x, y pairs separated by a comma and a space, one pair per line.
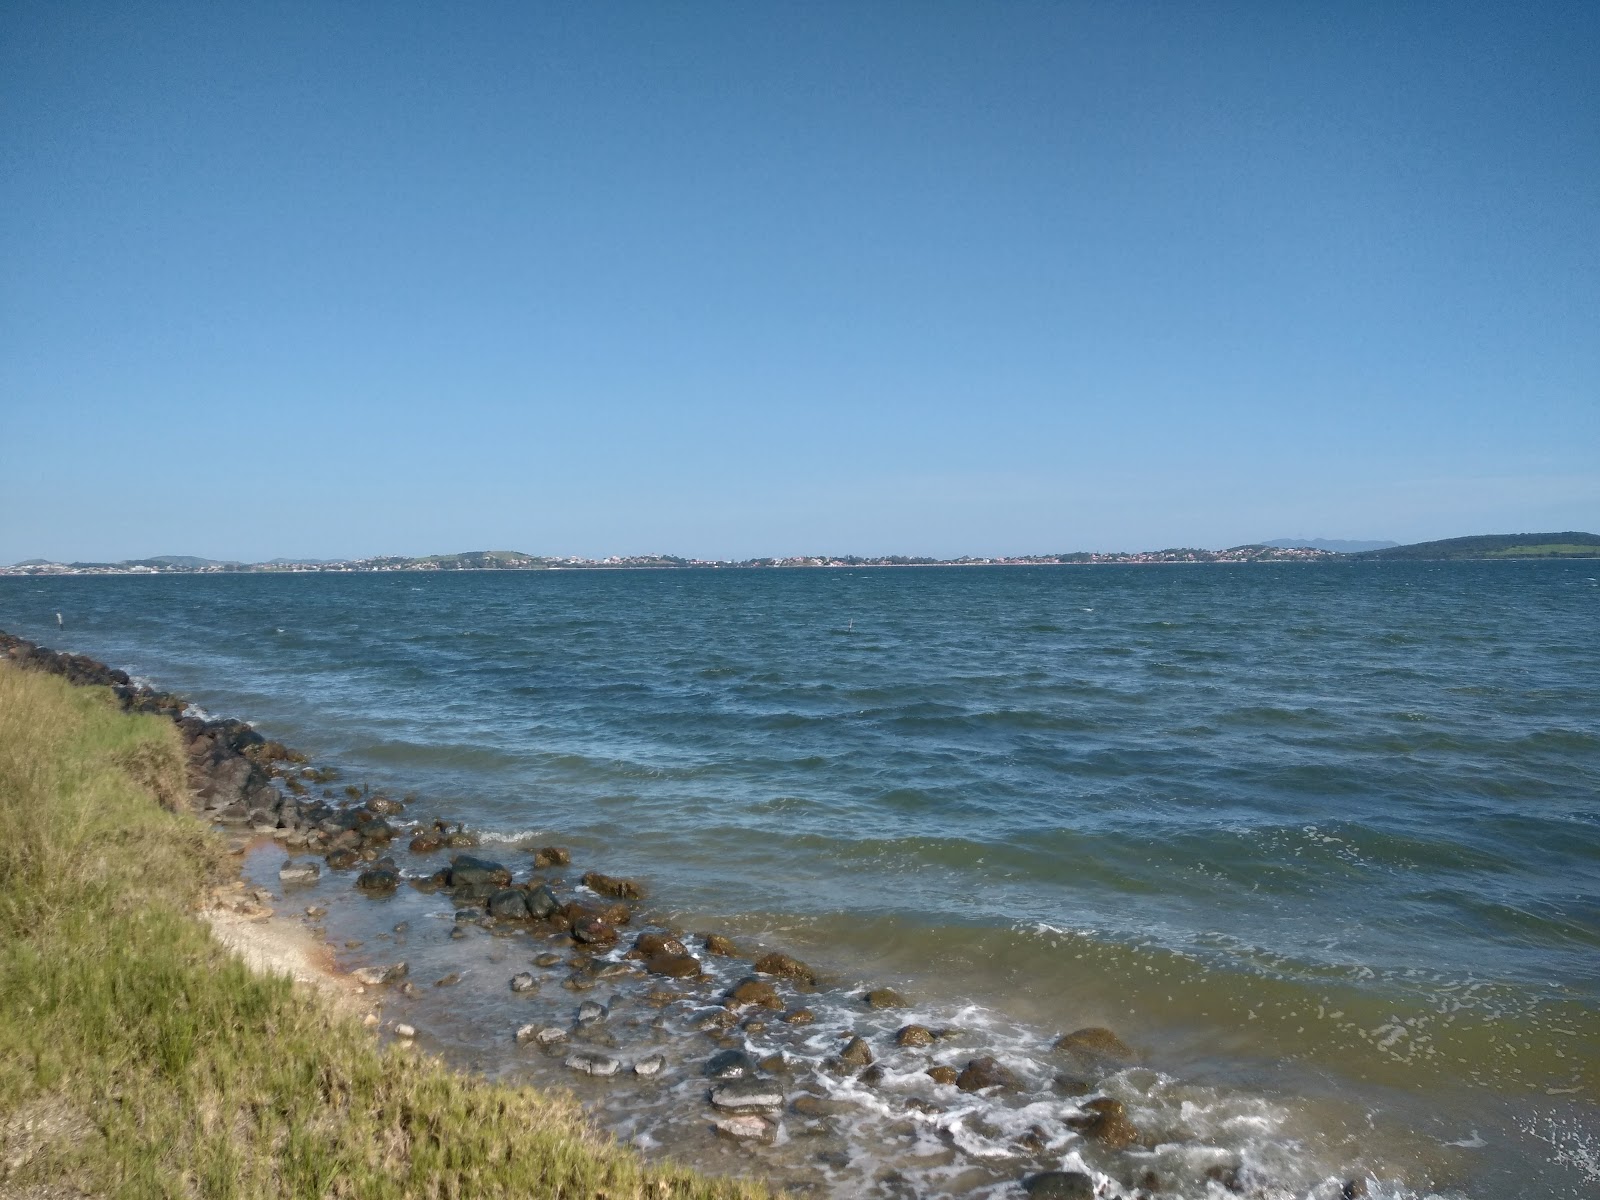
138, 1058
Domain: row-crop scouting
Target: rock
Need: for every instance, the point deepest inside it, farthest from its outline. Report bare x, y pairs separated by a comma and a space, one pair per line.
545, 1035
789, 968
316, 912
1106, 1121
1353, 1189
592, 1062
943, 1074
799, 1016
341, 860
380, 881
914, 1035
649, 945
547, 959
743, 1128
591, 1011
371, 1021
298, 873
1059, 1185
983, 1073
856, 1053
753, 991
384, 806
649, 1066
731, 1064
675, 966
509, 905
524, 982
607, 885
541, 903
820, 1106
594, 931
373, 976
551, 856
716, 944
466, 871
405, 1032
884, 998
427, 842
1071, 1085
449, 980
744, 1095
1095, 1043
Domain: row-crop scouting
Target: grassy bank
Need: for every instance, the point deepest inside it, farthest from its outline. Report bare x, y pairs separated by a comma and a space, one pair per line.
137, 1058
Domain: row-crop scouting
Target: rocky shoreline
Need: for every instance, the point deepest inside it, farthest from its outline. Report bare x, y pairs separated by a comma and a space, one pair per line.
779, 1051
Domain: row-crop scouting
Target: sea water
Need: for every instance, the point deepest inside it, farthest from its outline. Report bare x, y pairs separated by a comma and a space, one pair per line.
1321, 840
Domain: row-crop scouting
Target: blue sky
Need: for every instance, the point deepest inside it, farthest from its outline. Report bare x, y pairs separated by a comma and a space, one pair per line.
746, 279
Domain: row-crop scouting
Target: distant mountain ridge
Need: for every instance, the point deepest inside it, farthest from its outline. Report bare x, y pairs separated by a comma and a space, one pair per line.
1489, 546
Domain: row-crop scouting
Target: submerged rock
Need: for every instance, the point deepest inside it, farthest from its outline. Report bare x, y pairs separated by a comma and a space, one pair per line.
649, 1066
789, 968
745, 1095
524, 982
716, 944
466, 871
884, 998
298, 873
592, 1062
1106, 1121
731, 1064
1095, 1042
983, 1073
379, 881
914, 1035
856, 1053
753, 991
743, 1128
1059, 1185
608, 885
551, 856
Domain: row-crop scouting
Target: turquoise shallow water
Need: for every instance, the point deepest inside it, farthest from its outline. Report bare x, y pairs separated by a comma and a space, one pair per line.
1212, 804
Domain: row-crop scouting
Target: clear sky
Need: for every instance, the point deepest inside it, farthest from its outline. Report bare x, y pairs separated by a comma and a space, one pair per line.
748, 278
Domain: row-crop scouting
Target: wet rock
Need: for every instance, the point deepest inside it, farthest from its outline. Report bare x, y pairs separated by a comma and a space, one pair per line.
379, 881
384, 806
1226, 1177
1353, 1189
746, 1095
541, 903
373, 976
914, 1035
649, 1066
592, 1062
872, 1076
731, 1064
551, 856
716, 944
1095, 1042
608, 885
788, 968
799, 1016
747, 1127
523, 982
405, 1032
341, 860
675, 966
776, 1064
649, 945
449, 980
1072, 1085
926, 1107
753, 991
427, 842
466, 871
591, 1011
884, 998
983, 1073
544, 1035
509, 905
298, 873
1059, 1185
1106, 1121
578, 982
856, 1053
475, 893
820, 1106
594, 931
547, 959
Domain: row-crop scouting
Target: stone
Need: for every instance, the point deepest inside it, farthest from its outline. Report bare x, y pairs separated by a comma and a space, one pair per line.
591, 1011
405, 1032
298, 873
1059, 1185
548, 959
716, 944
799, 1016
373, 976
856, 1053
608, 885
509, 905
594, 931
427, 842
647, 1067
592, 1062
675, 966
523, 982
914, 1035
983, 1073
541, 903
545, 1035
1095, 1042
884, 998
467, 871
649, 945
1106, 1121
747, 1127
753, 991
731, 1064
449, 980
744, 1095
379, 881
341, 860
551, 856
788, 968
943, 1074
384, 806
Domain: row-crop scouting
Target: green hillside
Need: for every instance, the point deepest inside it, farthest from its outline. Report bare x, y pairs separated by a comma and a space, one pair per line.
1494, 546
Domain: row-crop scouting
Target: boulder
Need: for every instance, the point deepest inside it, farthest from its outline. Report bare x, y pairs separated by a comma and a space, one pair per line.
753, 991
884, 998
509, 905
747, 1095
745, 1127
523, 982
427, 842
374, 976
541, 903
1095, 1042
607, 885
648, 945
592, 1062
1106, 1121
788, 968
731, 1064
380, 881
551, 856
591, 1012
914, 1035
594, 931
722, 947
675, 966
647, 1067
298, 873
856, 1053
983, 1073
384, 806
466, 871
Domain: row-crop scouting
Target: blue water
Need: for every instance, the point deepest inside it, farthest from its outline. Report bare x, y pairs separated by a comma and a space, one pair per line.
1204, 802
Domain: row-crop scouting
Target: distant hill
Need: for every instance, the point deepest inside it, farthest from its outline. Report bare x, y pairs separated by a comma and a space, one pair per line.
1337, 545
1494, 546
